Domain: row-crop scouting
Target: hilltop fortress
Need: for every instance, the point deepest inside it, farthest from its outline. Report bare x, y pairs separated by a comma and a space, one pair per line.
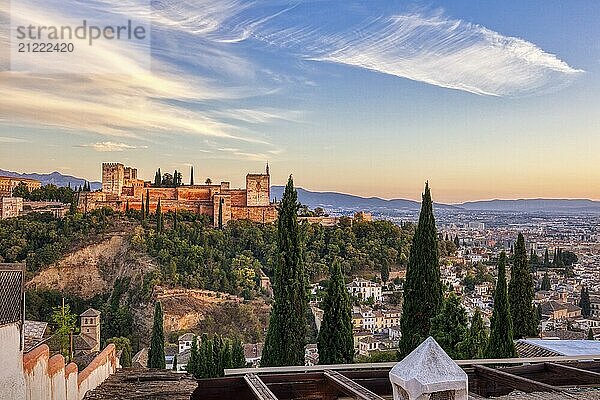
121, 187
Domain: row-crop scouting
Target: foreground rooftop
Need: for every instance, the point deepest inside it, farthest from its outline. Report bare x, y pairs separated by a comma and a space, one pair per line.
546, 378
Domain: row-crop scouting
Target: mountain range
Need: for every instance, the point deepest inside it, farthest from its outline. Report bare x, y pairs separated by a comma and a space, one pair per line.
54, 178
342, 201
334, 200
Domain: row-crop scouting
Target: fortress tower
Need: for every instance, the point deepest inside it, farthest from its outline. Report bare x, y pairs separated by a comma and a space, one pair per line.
258, 189
113, 177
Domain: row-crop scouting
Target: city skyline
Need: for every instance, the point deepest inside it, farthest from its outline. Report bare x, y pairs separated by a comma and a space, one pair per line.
483, 101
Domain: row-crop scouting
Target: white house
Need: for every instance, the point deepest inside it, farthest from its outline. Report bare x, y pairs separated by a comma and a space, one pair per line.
364, 289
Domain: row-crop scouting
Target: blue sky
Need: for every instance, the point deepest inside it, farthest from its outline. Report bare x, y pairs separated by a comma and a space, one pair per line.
483, 99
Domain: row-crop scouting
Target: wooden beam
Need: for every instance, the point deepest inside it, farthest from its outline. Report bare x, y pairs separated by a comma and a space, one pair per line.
514, 381
258, 388
349, 387
578, 374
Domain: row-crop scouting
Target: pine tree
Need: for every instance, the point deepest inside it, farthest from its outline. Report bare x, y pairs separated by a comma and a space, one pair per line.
423, 287
476, 340
520, 294
238, 356
545, 282
156, 356
501, 344
159, 218
285, 340
584, 302
335, 340
175, 362
193, 365
449, 327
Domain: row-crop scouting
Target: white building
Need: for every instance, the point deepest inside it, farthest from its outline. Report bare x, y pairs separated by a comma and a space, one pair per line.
364, 289
10, 207
185, 342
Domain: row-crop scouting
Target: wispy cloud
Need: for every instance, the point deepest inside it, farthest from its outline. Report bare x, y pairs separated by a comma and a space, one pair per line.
111, 146
200, 67
8, 139
433, 49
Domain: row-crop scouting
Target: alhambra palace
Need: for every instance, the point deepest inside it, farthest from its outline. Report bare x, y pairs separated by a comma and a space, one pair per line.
121, 188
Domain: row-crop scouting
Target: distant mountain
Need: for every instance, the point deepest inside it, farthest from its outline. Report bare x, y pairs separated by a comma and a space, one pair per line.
54, 178
534, 205
331, 200
334, 200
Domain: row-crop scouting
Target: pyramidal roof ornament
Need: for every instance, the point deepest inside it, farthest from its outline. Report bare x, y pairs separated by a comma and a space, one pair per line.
428, 370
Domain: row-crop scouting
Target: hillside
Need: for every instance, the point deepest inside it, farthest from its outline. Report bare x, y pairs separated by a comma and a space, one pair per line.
112, 273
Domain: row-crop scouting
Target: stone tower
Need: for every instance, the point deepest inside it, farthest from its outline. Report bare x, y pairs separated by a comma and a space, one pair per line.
113, 177
90, 326
258, 189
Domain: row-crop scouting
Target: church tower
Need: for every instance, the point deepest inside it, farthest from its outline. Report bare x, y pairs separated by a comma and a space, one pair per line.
90, 326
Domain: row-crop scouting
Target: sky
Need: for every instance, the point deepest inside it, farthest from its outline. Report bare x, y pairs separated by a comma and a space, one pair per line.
484, 99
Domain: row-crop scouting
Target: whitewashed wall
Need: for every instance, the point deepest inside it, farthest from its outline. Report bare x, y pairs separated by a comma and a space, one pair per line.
12, 381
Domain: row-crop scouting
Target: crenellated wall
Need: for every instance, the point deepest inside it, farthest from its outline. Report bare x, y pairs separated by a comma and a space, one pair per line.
98, 370
50, 379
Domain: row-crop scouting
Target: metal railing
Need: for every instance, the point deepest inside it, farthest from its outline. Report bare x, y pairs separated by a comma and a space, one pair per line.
389, 365
12, 297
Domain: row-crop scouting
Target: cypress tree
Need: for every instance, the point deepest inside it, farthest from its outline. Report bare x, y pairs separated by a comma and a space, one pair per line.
193, 365
584, 302
385, 270
156, 356
175, 220
202, 370
143, 209
590, 334
423, 288
449, 327
226, 360
238, 356
501, 343
456, 242
546, 258
285, 340
335, 340
217, 347
147, 203
127, 207
192, 176
175, 362
545, 282
210, 369
126, 356
220, 217
520, 294
476, 340
159, 218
